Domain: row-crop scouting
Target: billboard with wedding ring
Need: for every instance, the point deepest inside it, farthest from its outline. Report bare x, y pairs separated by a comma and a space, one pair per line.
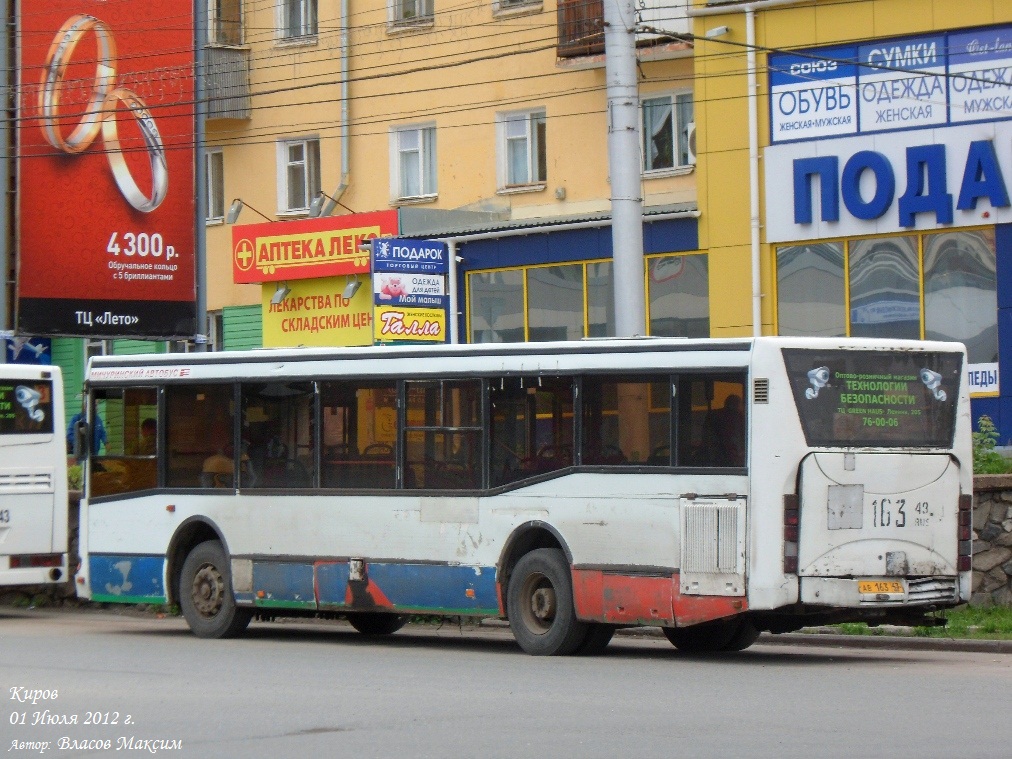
105, 169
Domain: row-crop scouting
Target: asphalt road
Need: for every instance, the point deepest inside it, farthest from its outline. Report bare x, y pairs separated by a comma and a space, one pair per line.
317, 689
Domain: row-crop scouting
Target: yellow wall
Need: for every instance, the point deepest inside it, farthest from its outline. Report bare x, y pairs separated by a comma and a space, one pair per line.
722, 121
457, 73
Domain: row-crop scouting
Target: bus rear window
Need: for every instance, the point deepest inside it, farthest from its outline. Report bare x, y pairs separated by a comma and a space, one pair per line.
26, 407
875, 398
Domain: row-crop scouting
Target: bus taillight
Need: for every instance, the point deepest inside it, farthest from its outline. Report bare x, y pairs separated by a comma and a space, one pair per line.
791, 523
965, 561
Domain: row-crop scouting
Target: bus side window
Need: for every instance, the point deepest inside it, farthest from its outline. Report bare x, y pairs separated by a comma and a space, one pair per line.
123, 462
711, 421
359, 429
442, 438
531, 427
199, 436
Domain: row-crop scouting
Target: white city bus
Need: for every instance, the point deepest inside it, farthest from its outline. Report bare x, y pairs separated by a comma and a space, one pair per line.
713, 488
33, 476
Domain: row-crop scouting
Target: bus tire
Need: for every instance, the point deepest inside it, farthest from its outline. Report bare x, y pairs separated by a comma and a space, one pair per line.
712, 637
205, 594
540, 605
377, 623
597, 640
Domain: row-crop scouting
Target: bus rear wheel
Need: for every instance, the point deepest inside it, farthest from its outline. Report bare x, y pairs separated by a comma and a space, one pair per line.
377, 623
540, 605
205, 594
713, 637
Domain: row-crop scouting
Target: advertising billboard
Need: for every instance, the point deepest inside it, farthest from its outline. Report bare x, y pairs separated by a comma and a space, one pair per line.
307, 248
315, 312
106, 169
409, 291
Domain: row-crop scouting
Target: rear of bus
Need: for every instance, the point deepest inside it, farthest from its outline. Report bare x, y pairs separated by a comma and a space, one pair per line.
33, 476
862, 476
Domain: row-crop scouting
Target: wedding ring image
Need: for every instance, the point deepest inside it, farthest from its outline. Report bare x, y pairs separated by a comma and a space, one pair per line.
53, 86
152, 141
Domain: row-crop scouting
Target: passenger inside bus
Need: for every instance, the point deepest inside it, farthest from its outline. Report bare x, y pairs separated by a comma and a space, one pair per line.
725, 434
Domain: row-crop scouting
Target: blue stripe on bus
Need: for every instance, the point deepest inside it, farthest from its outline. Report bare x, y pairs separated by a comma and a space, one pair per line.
283, 584
127, 579
412, 587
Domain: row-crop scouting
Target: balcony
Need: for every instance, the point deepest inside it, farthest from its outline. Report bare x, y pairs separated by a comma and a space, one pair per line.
226, 81
581, 28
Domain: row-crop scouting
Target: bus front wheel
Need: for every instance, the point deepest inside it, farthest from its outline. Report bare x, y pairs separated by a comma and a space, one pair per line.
540, 605
205, 594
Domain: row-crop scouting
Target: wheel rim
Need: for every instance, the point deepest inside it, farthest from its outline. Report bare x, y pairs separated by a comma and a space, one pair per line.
539, 603
208, 590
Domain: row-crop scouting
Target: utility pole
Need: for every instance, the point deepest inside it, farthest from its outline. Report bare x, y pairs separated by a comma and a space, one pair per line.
624, 167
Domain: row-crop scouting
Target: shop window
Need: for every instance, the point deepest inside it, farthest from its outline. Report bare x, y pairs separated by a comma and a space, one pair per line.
531, 428
885, 288
413, 162
667, 132
711, 421
679, 296
277, 430
521, 149
626, 421
497, 306
600, 300
200, 436
960, 292
128, 459
442, 436
359, 434
555, 302
810, 290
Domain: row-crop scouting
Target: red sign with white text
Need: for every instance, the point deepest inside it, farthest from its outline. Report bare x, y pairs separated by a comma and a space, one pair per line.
105, 170
307, 248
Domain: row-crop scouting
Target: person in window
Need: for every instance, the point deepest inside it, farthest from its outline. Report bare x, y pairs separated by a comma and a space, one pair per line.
99, 436
726, 434
148, 445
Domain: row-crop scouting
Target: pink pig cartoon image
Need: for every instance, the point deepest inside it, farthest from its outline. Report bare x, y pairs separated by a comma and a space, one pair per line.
392, 288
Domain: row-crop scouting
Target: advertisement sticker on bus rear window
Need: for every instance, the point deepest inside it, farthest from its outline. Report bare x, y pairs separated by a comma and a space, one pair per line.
875, 398
26, 407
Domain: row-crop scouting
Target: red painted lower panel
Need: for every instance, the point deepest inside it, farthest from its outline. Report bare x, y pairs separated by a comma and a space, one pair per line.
636, 599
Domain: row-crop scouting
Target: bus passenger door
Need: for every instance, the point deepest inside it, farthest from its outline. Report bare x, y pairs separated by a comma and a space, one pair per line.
712, 546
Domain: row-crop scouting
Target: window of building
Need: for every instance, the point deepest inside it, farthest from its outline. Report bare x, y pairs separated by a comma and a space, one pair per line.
413, 162
667, 132
442, 435
573, 301
521, 142
497, 306
514, 6
678, 293
359, 434
944, 280
225, 22
298, 19
810, 290
411, 12
277, 424
298, 174
215, 178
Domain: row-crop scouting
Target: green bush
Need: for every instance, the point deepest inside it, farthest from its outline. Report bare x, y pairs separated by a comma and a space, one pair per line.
75, 477
986, 460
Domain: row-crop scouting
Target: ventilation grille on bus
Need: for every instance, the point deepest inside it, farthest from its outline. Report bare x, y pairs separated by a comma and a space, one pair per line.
761, 390
25, 481
931, 589
710, 543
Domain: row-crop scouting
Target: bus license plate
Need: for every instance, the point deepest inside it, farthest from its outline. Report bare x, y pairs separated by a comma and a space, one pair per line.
879, 586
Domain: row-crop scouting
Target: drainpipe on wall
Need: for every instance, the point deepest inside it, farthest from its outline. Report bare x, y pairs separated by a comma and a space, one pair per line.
753, 139
6, 191
335, 196
200, 175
